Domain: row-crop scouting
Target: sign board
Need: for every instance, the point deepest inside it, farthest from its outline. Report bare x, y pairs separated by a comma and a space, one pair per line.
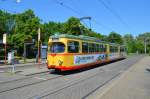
43, 52
10, 57
39, 34
4, 38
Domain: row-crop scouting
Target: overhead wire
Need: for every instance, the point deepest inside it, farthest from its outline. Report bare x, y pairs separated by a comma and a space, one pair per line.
81, 13
67, 7
102, 25
78, 13
114, 13
71, 9
96, 22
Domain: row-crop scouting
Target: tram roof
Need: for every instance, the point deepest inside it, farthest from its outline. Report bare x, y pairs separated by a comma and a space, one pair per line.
80, 37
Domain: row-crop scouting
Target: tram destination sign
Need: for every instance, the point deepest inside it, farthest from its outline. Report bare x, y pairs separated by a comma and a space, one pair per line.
55, 39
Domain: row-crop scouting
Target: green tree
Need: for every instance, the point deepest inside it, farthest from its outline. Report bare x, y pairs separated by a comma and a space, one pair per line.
128, 38
145, 38
115, 38
50, 28
6, 22
139, 46
72, 26
129, 42
26, 26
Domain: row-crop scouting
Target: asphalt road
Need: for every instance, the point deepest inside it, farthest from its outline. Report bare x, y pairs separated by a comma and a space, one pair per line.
68, 85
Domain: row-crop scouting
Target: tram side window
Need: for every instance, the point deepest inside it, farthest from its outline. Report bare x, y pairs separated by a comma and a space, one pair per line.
97, 48
122, 49
73, 47
116, 49
85, 47
94, 47
101, 47
104, 48
113, 49
90, 47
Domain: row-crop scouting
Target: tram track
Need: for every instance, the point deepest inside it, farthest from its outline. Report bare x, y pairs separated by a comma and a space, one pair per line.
69, 84
42, 95
26, 77
29, 84
78, 81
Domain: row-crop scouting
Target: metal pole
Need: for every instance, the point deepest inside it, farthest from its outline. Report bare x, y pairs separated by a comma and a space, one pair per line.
12, 60
38, 51
145, 47
24, 52
5, 46
5, 53
90, 24
39, 37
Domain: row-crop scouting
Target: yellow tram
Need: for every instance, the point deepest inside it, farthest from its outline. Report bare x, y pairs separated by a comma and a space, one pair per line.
69, 52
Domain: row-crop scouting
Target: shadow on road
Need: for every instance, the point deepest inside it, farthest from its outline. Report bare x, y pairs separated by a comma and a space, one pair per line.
148, 69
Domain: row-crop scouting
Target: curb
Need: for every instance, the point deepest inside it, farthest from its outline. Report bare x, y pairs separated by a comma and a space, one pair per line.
35, 73
20, 65
104, 89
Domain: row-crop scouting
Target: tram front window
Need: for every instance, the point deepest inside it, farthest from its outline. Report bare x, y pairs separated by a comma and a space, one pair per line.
57, 47
73, 47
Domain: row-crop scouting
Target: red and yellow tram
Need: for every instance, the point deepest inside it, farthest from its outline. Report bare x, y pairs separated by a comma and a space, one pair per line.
68, 52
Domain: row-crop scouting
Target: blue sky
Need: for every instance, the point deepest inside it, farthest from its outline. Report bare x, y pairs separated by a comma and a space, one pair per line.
134, 14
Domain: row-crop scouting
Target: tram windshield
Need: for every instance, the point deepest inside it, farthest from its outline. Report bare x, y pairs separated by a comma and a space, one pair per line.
57, 47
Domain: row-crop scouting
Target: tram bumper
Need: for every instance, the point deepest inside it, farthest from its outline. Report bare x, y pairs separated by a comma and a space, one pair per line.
61, 68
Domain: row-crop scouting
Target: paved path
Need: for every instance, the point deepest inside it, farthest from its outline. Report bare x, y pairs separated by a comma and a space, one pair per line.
34, 70
20, 71
25, 69
133, 84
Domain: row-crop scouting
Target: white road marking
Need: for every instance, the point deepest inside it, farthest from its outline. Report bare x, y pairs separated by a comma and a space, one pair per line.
2, 71
40, 78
